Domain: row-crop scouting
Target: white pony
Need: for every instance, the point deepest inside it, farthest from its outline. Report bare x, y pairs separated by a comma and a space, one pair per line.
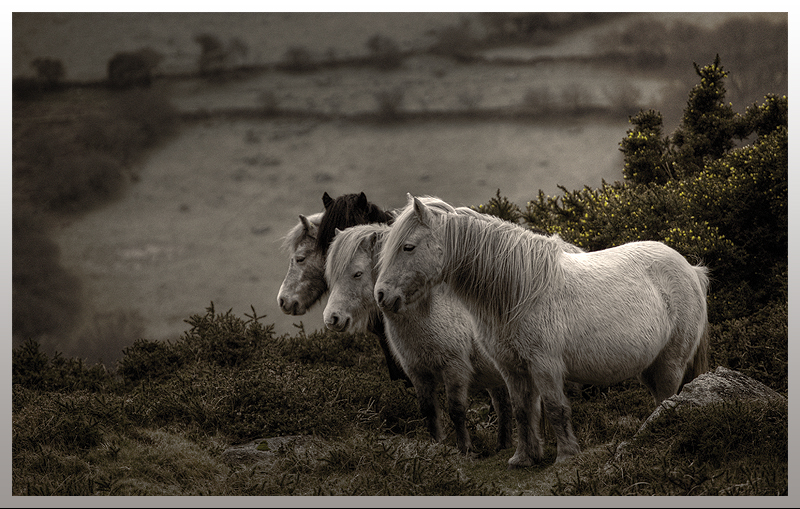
548, 315
435, 344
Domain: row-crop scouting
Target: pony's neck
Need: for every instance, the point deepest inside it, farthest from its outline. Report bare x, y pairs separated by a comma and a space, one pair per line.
499, 269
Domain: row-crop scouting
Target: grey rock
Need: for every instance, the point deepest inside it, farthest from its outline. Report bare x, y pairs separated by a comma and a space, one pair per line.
261, 450
722, 384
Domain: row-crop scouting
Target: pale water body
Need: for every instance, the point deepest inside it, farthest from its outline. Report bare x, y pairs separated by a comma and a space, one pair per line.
205, 221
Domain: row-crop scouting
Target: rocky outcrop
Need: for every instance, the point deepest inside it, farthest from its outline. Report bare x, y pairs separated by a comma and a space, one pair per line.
722, 384
262, 449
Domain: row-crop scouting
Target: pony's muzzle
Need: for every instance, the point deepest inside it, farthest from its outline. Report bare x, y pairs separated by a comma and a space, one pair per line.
335, 323
386, 301
290, 306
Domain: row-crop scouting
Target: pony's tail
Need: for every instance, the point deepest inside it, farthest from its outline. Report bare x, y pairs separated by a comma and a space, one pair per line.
699, 363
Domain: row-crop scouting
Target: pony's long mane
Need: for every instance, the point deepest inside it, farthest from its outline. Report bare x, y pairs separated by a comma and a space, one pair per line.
501, 267
345, 245
346, 211
497, 266
293, 237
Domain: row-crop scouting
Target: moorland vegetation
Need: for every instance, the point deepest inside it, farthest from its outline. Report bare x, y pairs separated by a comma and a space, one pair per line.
161, 419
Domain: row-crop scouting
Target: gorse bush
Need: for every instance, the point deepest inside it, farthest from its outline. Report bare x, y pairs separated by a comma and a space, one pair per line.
501, 207
721, 206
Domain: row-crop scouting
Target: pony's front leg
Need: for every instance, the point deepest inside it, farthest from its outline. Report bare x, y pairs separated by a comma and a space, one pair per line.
502, 407
527, 412
558, 412
457, 403
429, 404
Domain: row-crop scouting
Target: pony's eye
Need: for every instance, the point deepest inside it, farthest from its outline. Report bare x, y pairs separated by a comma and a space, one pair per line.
408, 247
300, 259
357, 275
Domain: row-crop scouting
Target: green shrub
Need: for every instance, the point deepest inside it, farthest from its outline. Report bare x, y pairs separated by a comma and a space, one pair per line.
645, 149
149, 360
33, 369
232, 375
327, 347
224, 339
501, 207
756, 345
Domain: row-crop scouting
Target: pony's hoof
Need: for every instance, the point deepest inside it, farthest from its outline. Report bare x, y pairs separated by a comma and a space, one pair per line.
561, 458
516, 462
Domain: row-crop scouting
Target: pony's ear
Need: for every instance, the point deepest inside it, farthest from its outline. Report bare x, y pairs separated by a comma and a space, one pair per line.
308, 228
326, 200
337, 231
361, 201
373, 239
421, 210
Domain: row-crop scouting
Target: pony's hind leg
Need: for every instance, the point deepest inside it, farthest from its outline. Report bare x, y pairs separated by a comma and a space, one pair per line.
663, 378
502, 407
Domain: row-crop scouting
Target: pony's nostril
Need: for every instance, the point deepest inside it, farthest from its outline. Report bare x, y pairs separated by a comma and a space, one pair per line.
282, 302
380, 297
333, 320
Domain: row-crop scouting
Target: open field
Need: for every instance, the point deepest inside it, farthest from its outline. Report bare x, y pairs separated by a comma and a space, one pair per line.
203, 221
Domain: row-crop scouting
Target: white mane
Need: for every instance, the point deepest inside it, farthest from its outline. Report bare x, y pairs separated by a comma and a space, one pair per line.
500, 267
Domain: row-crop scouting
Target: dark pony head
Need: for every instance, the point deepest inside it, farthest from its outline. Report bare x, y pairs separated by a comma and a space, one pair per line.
346, 211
